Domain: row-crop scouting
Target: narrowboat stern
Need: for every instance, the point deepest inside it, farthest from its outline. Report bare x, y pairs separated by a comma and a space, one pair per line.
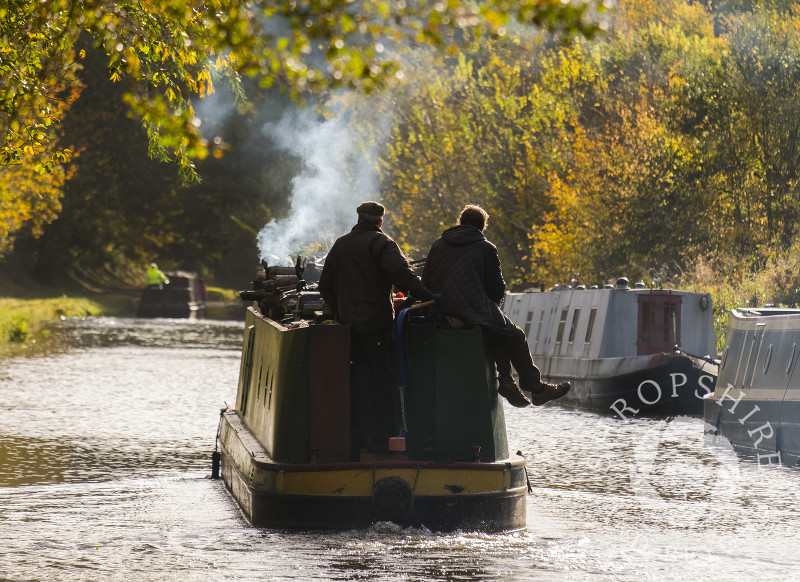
756, 403
285, 449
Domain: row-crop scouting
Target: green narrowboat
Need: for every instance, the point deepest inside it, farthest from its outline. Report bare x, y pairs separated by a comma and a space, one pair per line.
284, 449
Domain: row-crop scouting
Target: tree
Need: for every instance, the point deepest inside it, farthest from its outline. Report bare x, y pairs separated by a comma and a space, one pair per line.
167, 53
171, 50
28, 201
120, 207
758, 123
489, 131
645, 183
122, 210
583, 154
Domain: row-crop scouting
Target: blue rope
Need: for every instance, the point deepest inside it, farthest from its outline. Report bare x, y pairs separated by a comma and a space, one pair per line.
401, 368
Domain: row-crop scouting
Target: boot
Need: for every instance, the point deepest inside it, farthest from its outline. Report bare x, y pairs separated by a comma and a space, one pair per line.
548, 392
509, 390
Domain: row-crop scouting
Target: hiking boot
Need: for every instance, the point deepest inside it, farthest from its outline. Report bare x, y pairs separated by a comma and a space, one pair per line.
509, 390
549, 392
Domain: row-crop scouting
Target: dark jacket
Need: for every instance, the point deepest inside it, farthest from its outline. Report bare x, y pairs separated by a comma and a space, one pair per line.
356, 281
464, 268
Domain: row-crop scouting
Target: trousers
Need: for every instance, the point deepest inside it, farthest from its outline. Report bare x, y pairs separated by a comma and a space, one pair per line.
510, 348
373, 383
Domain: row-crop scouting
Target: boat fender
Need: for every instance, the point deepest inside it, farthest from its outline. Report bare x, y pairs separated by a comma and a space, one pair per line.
215, 456
392, 498
527, 477
215, 465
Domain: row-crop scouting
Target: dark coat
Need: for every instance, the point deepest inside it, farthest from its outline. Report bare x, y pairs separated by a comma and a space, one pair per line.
464, 268
356, 281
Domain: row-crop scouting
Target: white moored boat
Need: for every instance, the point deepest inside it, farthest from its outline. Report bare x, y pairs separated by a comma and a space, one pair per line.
756, 405
625, 350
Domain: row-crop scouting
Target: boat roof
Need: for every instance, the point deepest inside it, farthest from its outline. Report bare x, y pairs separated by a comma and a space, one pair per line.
186, 274
764, 311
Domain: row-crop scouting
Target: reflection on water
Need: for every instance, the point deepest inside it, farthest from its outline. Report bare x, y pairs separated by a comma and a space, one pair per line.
105, 455
26, 461
156, 333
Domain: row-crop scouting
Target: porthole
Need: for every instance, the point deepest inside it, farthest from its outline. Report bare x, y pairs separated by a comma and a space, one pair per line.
767, 358
791, 359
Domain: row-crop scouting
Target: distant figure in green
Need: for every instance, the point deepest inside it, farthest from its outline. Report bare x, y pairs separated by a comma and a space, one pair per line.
155, 277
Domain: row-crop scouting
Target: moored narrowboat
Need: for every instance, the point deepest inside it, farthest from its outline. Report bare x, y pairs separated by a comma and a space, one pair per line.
627, 351
756, 403
182, 296
285, 447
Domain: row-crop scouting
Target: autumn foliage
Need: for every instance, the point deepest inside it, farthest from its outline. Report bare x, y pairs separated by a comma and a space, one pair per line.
666, 148
672, 141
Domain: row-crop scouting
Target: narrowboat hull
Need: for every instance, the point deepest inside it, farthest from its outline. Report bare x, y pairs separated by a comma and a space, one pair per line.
756, 403
286, 450
170, 310
352, 495
183, 297
659, 384
618, 346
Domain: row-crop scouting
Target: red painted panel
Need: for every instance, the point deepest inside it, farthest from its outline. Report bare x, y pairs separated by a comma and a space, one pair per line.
329, 392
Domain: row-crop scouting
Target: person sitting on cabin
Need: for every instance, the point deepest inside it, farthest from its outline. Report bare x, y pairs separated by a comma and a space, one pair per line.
465, 269
356, 286
155, 277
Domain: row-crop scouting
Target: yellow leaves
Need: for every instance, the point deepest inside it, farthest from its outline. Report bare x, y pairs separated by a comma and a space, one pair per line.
29, 198
132, 62
221, 63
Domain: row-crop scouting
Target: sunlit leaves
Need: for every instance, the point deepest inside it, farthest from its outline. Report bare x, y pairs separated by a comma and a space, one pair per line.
676, 136
485, 134
169, 52
174, 48
29, 199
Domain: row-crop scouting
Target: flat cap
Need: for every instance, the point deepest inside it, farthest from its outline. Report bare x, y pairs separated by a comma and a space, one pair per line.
372, 208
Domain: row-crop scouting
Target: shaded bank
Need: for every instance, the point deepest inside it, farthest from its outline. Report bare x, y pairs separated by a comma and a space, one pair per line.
28, 310
24, 322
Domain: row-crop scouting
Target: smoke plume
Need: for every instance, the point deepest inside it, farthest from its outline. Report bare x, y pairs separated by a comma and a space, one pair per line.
337, 176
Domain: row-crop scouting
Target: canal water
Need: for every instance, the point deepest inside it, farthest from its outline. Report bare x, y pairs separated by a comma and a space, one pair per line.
105, 447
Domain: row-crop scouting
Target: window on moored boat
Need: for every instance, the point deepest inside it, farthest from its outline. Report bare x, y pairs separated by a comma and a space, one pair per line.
659, 323
539, 328
562, 324
528, 322
590, 326
575, 315
668, 330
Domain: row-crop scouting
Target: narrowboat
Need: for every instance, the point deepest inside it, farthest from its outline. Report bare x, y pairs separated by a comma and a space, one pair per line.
627, 351
183, 296
756, 403
284, 448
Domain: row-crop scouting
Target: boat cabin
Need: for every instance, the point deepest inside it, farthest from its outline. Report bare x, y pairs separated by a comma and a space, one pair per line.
625, 350
618, 322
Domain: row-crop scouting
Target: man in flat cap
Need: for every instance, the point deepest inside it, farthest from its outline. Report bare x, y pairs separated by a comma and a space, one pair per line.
356, 285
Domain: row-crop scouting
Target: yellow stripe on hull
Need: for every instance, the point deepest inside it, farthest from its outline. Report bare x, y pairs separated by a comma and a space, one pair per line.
424, 481
442, 496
